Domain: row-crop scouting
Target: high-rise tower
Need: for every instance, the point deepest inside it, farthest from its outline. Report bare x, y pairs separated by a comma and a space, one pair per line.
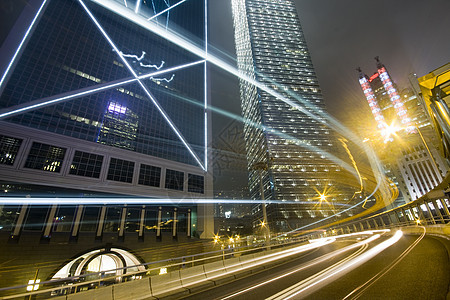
271, 49
406, 131
97, 101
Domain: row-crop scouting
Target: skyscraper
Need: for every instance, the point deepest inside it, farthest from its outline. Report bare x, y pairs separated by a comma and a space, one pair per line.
385, 101
96, 102
271, 49
405, 129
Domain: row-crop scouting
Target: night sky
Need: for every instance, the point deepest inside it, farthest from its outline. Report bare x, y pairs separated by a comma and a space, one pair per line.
410, 36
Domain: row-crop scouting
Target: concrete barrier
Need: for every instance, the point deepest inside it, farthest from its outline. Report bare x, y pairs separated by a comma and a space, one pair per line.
443, 230
167, 284
214, 269
232, 265
246, 259
194, 278
102, 293
135, 289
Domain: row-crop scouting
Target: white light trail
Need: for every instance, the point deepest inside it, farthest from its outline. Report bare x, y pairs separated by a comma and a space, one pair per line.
87, 91
165, 10
144, 88
205, 86
22, 42
153, 66
164, 79
313, 262
265, 259
61, 99
138, 58
310, 286
189, 46
138, 4
137, 200
360, 289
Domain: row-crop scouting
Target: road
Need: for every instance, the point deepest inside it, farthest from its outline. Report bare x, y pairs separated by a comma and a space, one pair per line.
412, 268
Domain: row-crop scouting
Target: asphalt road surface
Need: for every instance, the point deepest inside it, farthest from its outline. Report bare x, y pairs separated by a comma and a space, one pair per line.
412, 268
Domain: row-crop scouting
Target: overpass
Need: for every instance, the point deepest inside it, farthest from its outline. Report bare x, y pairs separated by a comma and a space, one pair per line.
353, 263
339, 252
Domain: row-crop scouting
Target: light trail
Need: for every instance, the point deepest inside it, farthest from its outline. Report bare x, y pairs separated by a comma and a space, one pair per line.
305, 288
362, 288
313, 262
144, 88
265, 259
164, 79
205, 83
33, 105
138, 4
22, 42
189, 46
119, 200
153, 66
165, 10
138, 58
344, 144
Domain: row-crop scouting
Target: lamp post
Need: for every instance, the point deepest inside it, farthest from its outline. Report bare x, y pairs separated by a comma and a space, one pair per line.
262, 166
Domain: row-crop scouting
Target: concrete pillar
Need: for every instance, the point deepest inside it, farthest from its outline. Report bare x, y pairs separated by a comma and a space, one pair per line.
175, 221
18, 226
77, 222
49, 223
205, 220
189, 223
405, 216
433, 221
444, 205
421, 215
362, 227
368, 225
158, 224
141, 223
396, 217
101, 221
123, 216
438, 211
354, 227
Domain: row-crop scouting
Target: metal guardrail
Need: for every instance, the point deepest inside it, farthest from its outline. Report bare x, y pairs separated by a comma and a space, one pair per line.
431, 212
76, 284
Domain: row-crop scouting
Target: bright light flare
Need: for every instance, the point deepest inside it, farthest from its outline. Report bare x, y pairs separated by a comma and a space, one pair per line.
308, 286
318, 260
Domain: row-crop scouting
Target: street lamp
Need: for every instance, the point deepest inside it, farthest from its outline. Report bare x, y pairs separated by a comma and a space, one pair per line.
262, 166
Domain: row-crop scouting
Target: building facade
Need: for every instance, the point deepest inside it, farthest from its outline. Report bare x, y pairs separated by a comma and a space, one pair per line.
272, 50
95, 105
404, 135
